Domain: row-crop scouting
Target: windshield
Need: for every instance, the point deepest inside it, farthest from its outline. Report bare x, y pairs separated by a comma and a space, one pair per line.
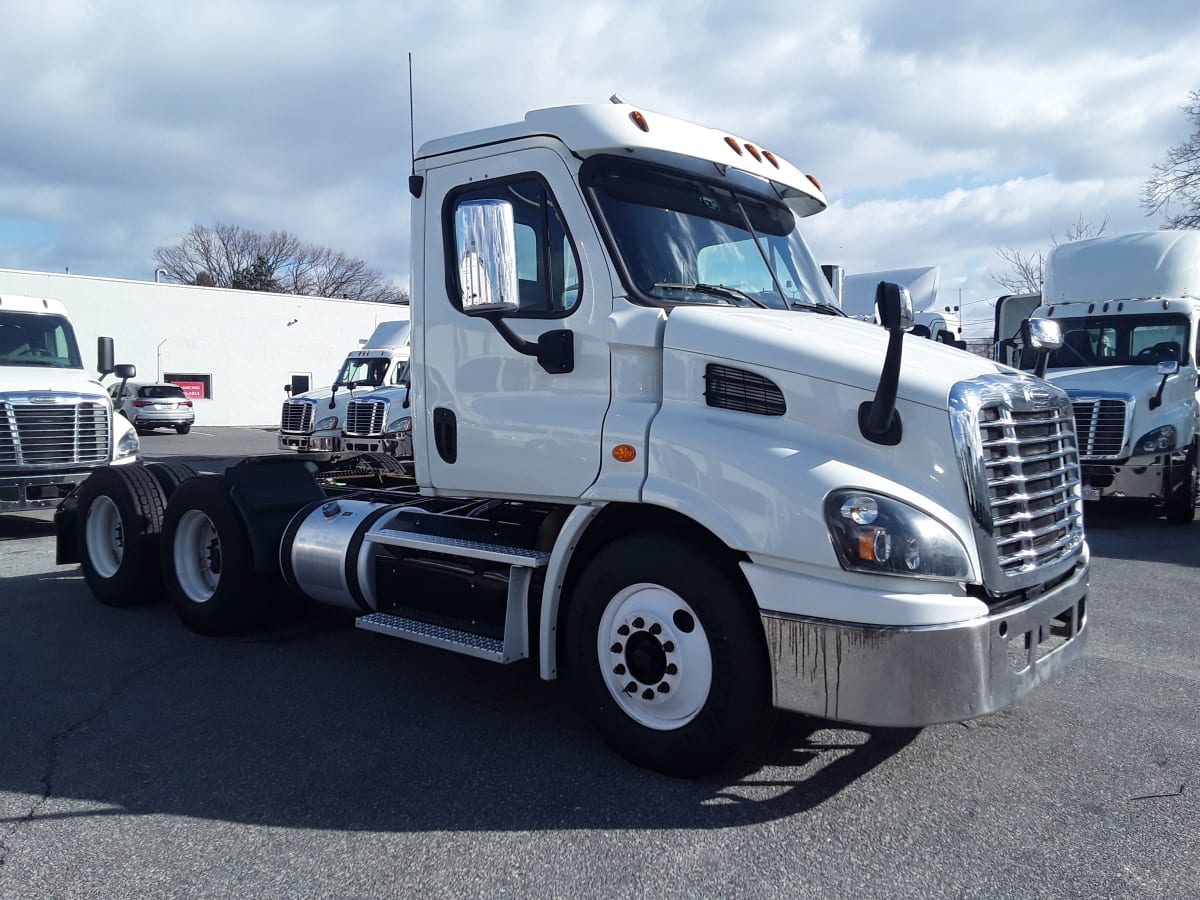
684, 239
33, 339
1118, 341
363, 371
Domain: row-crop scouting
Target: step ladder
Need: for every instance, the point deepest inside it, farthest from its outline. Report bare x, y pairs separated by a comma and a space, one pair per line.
520, 561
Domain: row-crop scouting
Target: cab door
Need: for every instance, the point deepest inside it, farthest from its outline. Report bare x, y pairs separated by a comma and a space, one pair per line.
500, 421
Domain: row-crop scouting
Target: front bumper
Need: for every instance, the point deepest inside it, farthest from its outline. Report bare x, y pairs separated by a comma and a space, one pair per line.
41, 491
320, 443
399, 446
909, 676
1102, 480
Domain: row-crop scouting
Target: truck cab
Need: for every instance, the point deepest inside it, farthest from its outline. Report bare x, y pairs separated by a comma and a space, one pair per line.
313, 421
1128, 308
56, 422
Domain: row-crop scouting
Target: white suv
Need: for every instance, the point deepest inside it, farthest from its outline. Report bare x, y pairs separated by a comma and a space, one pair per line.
153, 406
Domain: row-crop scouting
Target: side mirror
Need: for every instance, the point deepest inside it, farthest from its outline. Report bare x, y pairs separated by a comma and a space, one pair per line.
1168, 367
287, 389
104, 355
486, 248
1041, 334
893, 305
125, 371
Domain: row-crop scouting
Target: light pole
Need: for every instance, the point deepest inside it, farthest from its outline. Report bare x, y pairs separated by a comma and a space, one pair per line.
157, 272
158, 357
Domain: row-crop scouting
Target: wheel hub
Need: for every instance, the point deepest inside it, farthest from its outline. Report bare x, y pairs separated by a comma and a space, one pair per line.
645, 658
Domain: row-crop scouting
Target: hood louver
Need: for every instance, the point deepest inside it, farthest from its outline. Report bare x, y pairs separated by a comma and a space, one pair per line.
737, 389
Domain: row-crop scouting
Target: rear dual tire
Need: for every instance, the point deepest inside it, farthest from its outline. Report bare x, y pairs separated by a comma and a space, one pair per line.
118, 521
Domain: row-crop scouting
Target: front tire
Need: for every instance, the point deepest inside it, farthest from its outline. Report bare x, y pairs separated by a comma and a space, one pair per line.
668, 655
118, 523
1180, 506
206, 561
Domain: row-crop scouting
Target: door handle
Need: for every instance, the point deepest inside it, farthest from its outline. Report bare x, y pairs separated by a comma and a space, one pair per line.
445, 434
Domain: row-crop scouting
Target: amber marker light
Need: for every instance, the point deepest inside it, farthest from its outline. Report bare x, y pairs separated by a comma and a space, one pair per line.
753, 151
639, 120
624, 453
735, 145
770, 157
816, 183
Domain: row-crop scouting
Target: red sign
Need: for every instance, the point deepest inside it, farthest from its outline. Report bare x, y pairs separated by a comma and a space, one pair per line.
193, 390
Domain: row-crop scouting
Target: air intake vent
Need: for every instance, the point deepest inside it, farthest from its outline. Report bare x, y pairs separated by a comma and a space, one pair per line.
737, 389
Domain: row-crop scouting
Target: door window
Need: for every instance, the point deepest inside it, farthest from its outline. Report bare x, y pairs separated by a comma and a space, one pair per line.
547, 267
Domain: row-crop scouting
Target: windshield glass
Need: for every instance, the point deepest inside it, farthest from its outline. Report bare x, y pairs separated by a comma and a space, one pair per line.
1118, 341
363, 372
33, 339
685, 239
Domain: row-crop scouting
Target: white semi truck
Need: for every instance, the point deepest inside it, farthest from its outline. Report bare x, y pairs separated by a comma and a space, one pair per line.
696, 502
56, 422
931, 319
313, 421
1128, 308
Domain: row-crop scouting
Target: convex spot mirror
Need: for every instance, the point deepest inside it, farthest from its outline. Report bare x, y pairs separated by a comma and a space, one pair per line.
486, 248
893, 306
1168, 367
125, 371
1041, 334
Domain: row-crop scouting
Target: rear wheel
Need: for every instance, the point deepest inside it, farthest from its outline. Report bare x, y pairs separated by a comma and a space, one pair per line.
183, 429
118, 523
170, 475
206, 560
668, 655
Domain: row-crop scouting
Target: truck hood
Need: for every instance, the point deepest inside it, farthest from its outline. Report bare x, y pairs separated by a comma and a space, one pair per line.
1137, 381
36, 379
831, 348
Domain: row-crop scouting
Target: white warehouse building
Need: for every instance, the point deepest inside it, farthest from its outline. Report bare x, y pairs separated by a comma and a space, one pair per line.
231, 351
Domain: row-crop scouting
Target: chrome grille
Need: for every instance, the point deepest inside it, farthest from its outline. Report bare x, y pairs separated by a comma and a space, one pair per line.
68, 432
1019, 457
1100, 426
366, 418
297, 416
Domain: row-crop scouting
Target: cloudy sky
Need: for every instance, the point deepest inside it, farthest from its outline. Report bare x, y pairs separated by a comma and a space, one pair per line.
940, 131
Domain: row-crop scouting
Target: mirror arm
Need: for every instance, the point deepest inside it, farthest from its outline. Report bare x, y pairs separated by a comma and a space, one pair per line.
877, 419
1156, 400
554, 350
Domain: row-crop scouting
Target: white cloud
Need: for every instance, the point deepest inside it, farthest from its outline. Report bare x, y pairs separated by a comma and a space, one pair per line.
940, 134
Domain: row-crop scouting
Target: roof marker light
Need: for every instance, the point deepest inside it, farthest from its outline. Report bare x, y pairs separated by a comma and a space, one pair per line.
753, 151
737, 148
770, 157
639, 120
816, 183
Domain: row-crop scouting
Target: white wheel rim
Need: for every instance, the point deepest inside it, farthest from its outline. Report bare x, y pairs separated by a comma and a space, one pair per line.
197, 556
105, 535
654, 656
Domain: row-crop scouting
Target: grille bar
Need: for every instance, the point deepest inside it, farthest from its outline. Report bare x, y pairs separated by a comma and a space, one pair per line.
366, 418
297, 416
1101, 424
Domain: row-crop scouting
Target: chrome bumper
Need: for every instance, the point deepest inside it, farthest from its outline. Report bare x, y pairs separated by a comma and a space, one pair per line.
399, 446
1123, 480
316, 442
922, 675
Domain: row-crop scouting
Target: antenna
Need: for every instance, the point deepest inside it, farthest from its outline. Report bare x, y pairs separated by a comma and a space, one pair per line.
415, 182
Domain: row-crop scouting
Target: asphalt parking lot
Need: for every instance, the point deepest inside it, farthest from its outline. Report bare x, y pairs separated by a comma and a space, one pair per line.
138, 759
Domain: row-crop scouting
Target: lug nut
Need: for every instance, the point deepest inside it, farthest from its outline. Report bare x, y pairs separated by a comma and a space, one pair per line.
639, 623
669, 646
623, 631
647, 694
616, 648
619, 669
656, 628
664, 688
672, 669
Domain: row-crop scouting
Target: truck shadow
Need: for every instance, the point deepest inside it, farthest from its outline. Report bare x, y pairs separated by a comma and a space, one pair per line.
19, 526
1132, 532
315, 725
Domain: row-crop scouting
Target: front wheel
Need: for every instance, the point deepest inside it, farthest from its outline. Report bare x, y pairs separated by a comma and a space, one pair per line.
1180, 506
668, 655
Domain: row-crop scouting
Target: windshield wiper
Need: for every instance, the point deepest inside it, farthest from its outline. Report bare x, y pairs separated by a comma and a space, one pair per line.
827, 309
713, 290
30, 362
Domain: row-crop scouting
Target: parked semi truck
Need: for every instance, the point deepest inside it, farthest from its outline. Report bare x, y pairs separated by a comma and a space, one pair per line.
313, 421
56, 422
697, 500
931, 319
1128, 307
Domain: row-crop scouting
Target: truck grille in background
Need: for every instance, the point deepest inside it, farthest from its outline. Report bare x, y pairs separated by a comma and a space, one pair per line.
297, 416
36, 435
1100, 427
366, 418
737, 389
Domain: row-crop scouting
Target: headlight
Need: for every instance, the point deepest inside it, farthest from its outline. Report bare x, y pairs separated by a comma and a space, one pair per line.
1160, 440
326, 424
877, 534
128, 445
404, 424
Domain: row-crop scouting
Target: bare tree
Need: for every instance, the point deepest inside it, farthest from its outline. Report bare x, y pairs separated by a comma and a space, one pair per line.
232, 256
1174, 188
1026, 270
